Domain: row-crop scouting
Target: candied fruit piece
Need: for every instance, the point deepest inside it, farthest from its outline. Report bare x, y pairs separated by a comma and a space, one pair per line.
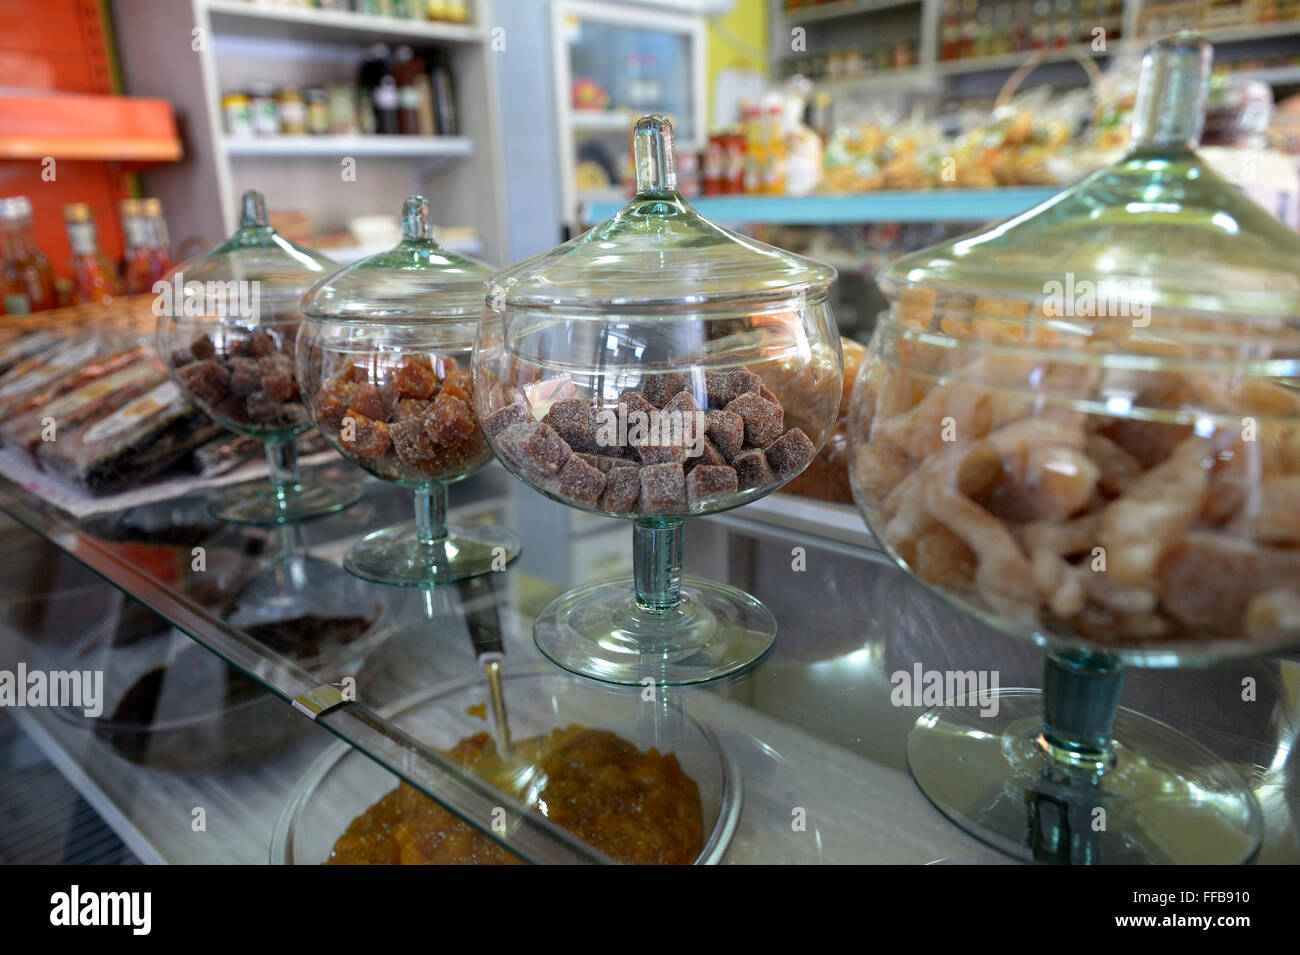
536, 446
763, 418
657, 389
724, 387
605, 463
622, 488
752, 469
363, 436
579, 481
503, 418
449, 421
726, 431
261, 343
202, 348
445, 365
245, 376
460, 384
411, 442
574, 420
350, 371
663, 489
709, 482
411, 408
709, 456
367, 400
790, 454
662, 453
414, 377
262, 408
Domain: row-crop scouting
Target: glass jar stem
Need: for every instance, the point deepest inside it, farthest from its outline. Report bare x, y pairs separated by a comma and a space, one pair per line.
431, 514
657, 564
1081, 694
282, 462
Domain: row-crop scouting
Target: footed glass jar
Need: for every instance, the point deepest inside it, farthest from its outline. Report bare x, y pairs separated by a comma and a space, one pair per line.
227, 329
384, 364
1082, 425
657, 368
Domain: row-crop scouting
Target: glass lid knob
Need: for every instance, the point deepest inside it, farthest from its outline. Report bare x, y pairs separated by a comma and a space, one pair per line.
656, 161
253, 214
1170, 107
417, 222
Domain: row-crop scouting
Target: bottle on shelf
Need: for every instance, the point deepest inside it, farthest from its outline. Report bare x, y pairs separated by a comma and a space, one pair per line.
28, 277
773, 155
148, 250
93, 274
752, 120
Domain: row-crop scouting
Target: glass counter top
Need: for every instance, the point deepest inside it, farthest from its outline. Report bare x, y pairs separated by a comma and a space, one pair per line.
816, 732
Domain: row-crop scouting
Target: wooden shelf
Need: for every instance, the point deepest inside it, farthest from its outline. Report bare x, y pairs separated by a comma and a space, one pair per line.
234, 18
84, 126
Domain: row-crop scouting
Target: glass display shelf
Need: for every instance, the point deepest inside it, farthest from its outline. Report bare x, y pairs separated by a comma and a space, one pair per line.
815, 735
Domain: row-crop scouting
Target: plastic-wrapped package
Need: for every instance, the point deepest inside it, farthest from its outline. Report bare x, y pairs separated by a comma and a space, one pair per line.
63, 370
131, 443
85, 403
18, 350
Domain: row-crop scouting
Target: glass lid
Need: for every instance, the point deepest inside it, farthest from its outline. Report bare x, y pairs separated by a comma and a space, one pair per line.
417, 279
1157, 229
256, 253
658, 253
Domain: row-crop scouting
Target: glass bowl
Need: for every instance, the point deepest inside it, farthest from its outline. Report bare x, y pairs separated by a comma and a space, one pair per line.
227, 331
384, 362
653, 369
342, 783
1082, 426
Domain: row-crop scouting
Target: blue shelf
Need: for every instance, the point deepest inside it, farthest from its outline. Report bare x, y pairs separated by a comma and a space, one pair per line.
935, 205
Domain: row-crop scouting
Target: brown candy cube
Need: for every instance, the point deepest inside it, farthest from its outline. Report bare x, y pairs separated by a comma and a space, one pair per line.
708, 457
622, 488
763, 419
278, 381
460, 384
202, 348
449, 421
501, 419
657, 389
709, 482
205, 381
579, 482
726, 431
411, 442
752, 469
245, 376
790, 454
604, 463
663, 489
574, 420
535, 446
724, 387
367, 400
262, 343
411, 408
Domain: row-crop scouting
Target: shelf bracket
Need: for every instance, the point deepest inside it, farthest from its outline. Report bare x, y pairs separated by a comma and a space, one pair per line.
317, 702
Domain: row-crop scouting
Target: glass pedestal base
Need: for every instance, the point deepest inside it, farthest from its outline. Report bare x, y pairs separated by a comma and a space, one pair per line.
397, 556
598, 631
1166, 799
264, 505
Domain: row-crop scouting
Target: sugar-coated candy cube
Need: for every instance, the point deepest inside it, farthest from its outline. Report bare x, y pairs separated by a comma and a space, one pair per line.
202, 348
460, 384
501, 419
364, 436
205, 381
278, 379
708, 456
682, 403
790, 454
262, 408
411, 408
726, 431
622, 488
724, 387
449, 421
663, 489
580, 482
752, 469
245, 376
657, 389
662, 453
574, 420
535, 446
766, 393
709, 482
411, 442
763, 418
414, 377
605, 463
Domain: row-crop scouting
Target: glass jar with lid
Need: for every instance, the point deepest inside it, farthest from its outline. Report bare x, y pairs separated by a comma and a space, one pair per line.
384, 362
657, 368
1082, 425
227, 329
